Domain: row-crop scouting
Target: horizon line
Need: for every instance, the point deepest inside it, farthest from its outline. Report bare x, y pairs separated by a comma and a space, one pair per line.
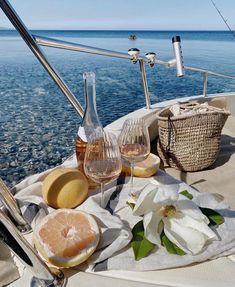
121, 30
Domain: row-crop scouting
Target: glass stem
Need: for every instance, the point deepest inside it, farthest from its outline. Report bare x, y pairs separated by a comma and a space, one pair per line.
132, 171
102, 195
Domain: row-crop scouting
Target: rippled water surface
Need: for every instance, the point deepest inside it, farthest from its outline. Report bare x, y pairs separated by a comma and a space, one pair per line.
37, 123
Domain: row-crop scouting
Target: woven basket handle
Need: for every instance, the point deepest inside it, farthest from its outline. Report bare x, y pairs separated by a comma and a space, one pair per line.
190, 105
170, 130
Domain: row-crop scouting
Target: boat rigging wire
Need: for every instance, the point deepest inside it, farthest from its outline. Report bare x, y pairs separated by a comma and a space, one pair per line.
224, 20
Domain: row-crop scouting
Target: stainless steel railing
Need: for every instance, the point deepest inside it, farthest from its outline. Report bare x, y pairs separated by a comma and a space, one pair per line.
53, 43
48, 42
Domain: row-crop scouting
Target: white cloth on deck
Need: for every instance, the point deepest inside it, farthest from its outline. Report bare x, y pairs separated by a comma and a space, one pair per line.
8, 270
116, 221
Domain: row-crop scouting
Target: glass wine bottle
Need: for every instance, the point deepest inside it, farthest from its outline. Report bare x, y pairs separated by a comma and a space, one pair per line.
90, 122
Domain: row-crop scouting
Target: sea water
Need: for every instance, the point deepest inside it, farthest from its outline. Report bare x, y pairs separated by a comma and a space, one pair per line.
38, 125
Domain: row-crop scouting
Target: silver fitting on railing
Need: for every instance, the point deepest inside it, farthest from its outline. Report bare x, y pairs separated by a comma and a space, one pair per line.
151, 57
134, 53
178, 60
178, 56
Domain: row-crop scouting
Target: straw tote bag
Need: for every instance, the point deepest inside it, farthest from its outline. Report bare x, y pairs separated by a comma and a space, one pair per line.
190, 142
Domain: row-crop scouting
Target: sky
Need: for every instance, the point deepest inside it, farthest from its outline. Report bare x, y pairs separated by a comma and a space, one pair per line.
122, 14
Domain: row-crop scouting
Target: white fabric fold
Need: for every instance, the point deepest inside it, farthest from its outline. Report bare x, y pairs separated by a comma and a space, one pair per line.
8, 270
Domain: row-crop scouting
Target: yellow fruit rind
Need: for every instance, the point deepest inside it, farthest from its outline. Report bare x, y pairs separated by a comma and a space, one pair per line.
64, 188
140, 171
58, 261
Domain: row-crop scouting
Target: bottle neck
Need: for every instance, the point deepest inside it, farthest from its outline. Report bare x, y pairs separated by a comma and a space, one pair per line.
90, 98
90, 118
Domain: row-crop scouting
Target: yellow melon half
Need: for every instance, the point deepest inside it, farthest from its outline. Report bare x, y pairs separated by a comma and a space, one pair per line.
64, 188
66, 237
145, 168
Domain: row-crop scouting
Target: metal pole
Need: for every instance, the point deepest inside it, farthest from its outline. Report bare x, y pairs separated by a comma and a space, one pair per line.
145, 84
205, 77
54, 43
209, 72
29, 40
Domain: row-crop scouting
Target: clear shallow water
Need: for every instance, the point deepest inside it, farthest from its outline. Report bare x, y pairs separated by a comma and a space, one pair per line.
37, 123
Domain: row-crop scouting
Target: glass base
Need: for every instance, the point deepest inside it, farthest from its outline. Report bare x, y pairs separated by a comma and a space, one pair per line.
134, 189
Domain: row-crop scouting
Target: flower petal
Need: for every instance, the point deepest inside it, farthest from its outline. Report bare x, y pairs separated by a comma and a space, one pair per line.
188, 207
167, 194
200, 226
144, 203
188, 239
188, 233
151, 227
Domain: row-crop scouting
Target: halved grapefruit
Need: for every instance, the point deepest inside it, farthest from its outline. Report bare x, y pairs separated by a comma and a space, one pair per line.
66, 237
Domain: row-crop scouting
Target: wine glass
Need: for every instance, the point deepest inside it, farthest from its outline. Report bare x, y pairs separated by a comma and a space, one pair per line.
134, 143
102, 161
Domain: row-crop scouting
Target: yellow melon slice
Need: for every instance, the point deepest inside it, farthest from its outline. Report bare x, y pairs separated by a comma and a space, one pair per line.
64, 188
66, 237
145, 168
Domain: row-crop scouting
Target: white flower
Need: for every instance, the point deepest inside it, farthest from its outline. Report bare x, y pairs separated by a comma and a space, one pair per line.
183, 222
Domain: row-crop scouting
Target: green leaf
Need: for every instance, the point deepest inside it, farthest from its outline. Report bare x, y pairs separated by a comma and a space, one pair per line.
214, 217
131, 204
170, 246
140, 244
187, 194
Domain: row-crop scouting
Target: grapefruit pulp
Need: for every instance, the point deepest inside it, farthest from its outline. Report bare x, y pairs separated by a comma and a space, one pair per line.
66, 237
